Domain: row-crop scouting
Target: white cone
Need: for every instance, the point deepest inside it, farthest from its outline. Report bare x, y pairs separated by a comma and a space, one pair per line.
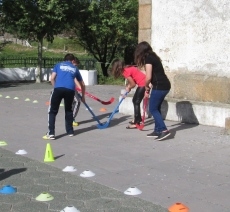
132, 191
35, 101
7, 97
87, 173
69, 169
21, 152
16, 97
27, 99
70, 209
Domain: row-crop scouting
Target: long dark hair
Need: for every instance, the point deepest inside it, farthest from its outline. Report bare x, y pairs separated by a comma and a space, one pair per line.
142, 50
117, 68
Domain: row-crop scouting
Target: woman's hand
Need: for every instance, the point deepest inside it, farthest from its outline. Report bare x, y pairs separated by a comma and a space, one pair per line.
147, 91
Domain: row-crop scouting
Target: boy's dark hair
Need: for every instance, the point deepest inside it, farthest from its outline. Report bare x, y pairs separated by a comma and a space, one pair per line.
69, 57
77, 60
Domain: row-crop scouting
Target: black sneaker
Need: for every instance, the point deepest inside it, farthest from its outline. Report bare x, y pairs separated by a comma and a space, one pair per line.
153, 135
163, 135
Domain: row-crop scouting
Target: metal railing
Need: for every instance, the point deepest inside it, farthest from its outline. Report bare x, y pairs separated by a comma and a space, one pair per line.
18, 62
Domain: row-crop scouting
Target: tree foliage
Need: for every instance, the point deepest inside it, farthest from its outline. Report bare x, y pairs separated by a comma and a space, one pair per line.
106, 27
35, 20
103, 27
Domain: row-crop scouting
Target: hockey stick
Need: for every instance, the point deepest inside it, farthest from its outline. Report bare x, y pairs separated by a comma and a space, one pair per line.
141, 126
95, 98
96, 119
106, 124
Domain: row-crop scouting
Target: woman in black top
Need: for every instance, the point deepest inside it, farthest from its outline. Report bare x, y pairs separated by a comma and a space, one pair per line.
155, 74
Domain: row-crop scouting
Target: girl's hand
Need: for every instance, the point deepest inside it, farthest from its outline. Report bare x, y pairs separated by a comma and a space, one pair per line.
128, 89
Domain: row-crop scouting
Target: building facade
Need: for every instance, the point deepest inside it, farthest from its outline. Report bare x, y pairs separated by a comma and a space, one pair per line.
192, 39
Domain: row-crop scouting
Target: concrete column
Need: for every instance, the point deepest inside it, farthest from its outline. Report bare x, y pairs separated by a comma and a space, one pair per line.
227, 125
145, 20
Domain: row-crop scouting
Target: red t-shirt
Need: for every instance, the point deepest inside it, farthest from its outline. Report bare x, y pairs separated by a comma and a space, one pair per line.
137, 75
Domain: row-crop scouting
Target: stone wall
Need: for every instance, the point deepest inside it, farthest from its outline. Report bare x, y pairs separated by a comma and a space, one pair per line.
192, 39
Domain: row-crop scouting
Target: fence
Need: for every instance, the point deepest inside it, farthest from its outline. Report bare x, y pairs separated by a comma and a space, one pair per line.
17, 62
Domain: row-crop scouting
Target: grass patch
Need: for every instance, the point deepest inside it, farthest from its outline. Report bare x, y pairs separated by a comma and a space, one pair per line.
17, 50
62, 44
56, 50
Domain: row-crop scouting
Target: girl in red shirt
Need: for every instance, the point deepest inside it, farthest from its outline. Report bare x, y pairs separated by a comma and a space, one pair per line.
134, 76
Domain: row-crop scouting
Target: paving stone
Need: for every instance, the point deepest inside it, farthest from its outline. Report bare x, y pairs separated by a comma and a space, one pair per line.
13, 198
32, 189
49, 180
102, 204
5, 207
30, 206
19, 181
83, 195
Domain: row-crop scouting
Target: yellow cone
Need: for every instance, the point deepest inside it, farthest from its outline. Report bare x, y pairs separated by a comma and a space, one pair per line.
3, 143
49, 157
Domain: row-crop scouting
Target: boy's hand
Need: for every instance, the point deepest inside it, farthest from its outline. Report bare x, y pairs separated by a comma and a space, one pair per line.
83, 99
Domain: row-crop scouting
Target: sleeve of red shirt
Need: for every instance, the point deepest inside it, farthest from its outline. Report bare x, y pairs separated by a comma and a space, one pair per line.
127, 72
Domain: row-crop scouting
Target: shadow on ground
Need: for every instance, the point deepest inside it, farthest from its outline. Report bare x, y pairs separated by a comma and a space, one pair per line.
11, 172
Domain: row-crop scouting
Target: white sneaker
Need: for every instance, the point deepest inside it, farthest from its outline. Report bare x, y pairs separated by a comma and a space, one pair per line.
71, 135
49, 137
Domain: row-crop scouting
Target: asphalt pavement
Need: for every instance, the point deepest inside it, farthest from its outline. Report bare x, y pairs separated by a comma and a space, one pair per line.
131, 173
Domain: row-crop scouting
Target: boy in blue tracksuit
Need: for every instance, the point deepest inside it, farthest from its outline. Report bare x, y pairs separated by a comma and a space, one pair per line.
64, 79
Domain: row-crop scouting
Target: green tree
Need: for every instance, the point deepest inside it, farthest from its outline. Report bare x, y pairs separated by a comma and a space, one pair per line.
36, 20
105, 27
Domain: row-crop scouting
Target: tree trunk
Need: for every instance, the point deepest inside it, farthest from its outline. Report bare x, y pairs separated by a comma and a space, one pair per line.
104, 69
38, 72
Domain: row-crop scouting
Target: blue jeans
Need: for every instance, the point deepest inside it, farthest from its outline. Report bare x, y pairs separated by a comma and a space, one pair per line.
155, 101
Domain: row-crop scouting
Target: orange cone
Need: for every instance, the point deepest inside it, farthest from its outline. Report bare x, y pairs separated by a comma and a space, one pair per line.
47, 103
178, 207
102, 109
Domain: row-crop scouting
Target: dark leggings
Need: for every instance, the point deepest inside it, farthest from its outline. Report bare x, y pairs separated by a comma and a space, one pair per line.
137, 98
